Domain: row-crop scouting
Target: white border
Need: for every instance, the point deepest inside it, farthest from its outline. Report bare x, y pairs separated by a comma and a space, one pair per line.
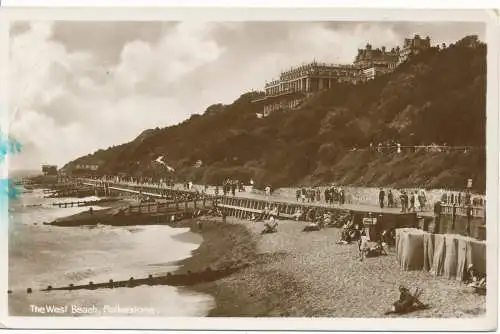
426, 4
298, 14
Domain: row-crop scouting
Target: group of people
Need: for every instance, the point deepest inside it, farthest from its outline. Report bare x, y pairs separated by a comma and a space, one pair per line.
230, 186
331, 195
181, 196
410, 201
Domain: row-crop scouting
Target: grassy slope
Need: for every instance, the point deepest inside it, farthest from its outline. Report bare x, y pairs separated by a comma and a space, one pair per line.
437, 97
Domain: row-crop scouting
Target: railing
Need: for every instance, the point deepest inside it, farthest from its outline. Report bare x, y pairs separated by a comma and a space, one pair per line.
449, 209
353, 195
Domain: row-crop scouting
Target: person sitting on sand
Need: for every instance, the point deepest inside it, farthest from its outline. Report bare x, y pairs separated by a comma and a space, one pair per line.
271, 224
347, 232
474, 279
327, 218
407, 302
472, 275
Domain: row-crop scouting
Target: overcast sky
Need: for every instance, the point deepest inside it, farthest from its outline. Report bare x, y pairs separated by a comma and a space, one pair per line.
76, 87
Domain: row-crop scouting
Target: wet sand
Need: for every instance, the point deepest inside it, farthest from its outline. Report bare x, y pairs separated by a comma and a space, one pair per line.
306, 274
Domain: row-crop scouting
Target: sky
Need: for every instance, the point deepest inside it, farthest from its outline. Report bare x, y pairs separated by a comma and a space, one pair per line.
76, 87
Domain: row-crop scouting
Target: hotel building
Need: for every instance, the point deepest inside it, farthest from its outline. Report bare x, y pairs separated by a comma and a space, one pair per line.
295, 85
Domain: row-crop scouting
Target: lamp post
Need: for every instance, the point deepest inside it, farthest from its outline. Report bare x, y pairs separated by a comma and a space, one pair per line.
468, 206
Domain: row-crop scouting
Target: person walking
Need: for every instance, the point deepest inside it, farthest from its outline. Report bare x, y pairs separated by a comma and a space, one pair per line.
381, 198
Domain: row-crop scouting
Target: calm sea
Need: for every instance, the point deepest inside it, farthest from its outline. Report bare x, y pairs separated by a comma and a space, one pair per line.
41, 255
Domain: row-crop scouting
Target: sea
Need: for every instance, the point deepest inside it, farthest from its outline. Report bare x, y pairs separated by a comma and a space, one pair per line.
42, 255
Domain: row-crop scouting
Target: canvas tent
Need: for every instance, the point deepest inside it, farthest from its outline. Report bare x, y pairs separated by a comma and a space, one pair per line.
445, 255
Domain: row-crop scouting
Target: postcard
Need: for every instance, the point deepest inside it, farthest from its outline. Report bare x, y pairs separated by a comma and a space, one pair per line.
250, 169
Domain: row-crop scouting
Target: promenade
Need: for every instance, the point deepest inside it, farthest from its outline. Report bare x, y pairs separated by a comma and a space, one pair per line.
248, 193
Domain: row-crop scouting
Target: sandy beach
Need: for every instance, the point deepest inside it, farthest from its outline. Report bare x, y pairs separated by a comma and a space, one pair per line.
306, 274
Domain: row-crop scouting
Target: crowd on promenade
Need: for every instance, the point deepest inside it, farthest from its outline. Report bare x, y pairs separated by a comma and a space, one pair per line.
408, 200
332, 194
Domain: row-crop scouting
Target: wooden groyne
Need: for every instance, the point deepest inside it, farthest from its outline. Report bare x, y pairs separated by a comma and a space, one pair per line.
84, 203
148, 213
77, 192
180, 279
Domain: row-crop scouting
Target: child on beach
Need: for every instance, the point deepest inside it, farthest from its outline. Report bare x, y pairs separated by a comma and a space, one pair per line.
363, 245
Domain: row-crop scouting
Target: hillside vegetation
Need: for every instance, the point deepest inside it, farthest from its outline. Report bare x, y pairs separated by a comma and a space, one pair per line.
437, 97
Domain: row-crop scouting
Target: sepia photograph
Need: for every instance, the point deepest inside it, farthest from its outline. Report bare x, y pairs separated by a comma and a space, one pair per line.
254, 168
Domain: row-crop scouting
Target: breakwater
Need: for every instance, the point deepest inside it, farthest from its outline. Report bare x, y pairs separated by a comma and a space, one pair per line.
147, 213
182, 279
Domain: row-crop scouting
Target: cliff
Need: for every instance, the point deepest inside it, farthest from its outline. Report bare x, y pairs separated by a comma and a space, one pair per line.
437, 97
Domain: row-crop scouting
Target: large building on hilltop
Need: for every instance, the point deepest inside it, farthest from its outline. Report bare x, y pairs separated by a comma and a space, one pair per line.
375, 62
296, 84
312, 77
413, 46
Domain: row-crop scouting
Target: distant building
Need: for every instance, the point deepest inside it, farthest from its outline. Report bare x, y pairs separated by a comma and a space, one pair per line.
49, 170
379, 57
413, 46
375, 62
294, 86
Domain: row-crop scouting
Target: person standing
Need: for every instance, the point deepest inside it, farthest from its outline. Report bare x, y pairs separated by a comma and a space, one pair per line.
404, 201
416, 201
390, 199
381, 198
412, 202
268, 191
342, 196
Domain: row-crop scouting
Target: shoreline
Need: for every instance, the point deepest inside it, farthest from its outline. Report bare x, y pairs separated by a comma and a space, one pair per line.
231, 243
